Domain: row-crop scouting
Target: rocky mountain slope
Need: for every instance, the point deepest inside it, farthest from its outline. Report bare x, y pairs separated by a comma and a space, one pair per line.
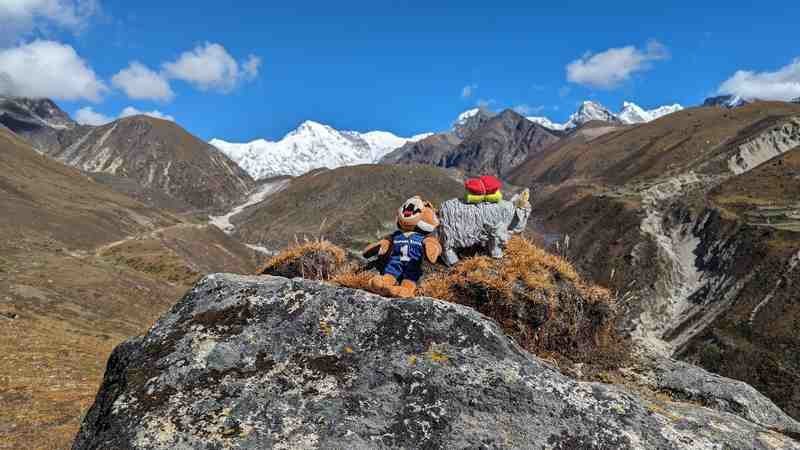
82, 267
469, 121
725, 101
157, 155
311, 146
693, 216
43, 197
351, 206
267, 362
32, 113
495, 146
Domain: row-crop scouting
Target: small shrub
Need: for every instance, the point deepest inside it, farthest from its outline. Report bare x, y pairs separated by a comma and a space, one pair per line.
315, 260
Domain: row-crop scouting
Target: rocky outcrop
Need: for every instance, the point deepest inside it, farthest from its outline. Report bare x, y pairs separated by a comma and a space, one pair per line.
267, 362
770, 143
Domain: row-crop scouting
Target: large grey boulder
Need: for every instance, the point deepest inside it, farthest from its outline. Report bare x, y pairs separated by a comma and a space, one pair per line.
267, 362
691, 383
487, 226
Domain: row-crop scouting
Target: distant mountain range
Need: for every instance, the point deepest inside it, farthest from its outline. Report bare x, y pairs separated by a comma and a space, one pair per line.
310, 146
313, 145
588, 111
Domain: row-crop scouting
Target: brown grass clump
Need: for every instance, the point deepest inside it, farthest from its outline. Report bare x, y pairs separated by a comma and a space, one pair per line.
353, 276
538, 298
316, 260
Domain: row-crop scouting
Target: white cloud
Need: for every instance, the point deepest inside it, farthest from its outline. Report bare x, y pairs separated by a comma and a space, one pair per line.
18, 17
48, 69
139, 82
131, 111
251, 66
88, 116
485, 103
783, 84
468, 90
608, 69
211, 67
527, 110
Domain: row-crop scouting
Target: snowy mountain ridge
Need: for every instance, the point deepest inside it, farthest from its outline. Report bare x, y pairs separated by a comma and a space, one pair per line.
36, 112
313, 145
631, 113
310, 146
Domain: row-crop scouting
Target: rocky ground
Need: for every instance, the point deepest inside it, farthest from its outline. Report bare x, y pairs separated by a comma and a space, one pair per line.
268, 362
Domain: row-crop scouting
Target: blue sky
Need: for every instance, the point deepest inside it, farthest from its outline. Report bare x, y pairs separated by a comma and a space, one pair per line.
406, 67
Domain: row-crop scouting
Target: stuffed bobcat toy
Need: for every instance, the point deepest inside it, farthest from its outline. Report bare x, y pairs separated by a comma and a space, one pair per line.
405, 248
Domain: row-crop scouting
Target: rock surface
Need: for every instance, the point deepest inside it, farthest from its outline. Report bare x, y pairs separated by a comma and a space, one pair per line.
267, 362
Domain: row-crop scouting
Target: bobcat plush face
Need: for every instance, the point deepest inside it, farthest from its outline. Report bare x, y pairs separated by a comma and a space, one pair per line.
417, 214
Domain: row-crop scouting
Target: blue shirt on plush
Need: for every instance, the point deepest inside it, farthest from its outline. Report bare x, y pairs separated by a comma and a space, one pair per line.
405, 261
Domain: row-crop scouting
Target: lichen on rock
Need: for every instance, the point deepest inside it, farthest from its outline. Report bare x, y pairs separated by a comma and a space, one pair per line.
268, 362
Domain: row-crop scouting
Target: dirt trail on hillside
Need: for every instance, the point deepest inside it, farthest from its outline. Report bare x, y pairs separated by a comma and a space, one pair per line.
154, 234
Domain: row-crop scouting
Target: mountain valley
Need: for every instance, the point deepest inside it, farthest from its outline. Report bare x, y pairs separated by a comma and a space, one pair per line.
689, 216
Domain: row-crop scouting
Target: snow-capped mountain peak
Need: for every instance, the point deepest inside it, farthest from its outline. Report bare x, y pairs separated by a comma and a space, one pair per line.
470, 120
467, 114
632, 113
588, 111
547, 123
310, 146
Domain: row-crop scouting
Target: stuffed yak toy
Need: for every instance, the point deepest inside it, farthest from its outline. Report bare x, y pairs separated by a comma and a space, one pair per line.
405, 249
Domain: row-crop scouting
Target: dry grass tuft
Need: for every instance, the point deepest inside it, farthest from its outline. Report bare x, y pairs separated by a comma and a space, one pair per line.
537, 298
316, 260
353, 277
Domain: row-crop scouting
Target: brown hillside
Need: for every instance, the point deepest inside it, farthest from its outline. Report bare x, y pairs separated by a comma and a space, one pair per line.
768, 194
73, 284
350, 206
671, 144
156, 154
695, 217
43, 197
